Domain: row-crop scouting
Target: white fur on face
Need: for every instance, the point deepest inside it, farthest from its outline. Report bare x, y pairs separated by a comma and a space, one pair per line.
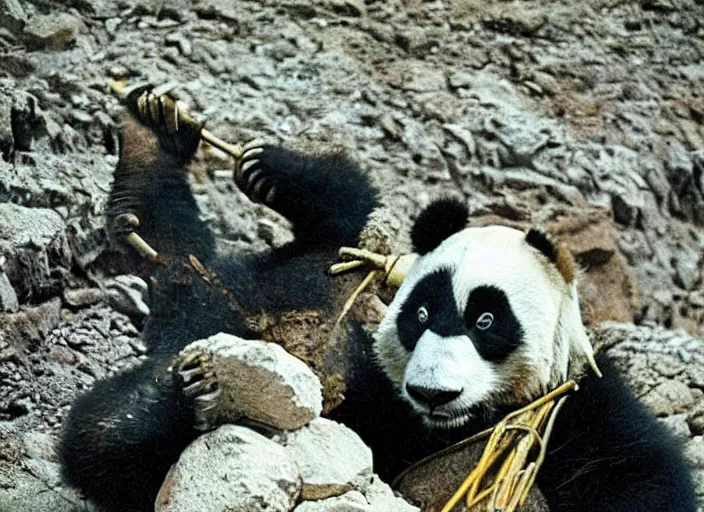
450, 364
543, 303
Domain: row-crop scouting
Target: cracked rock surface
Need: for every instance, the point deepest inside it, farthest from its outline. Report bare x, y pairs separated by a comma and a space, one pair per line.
587, 118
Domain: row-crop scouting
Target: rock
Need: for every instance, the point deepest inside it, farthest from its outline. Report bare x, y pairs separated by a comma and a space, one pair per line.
352, 501
695, 419
677, 424
694, 452
54, 31
415, 39
126, 294
380, 496
8, 296
36, 486
354, 8
669, 397
31, 324
21, 227
39, 446
232, 469
21, 120
12, 15
331, 457
261, 381
698, 480
216, 9
83, 297
35, 246
7, 140
687, 270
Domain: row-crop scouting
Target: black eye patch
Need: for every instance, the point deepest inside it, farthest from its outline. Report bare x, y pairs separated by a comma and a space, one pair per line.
505, 334
434, 292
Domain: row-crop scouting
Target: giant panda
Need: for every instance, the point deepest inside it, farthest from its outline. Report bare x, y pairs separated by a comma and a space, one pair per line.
486, 320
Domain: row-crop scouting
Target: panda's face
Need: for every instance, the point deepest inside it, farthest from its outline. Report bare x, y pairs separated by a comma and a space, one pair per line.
473, 326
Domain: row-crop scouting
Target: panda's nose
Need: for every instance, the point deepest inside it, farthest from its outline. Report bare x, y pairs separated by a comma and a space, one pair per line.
432, 397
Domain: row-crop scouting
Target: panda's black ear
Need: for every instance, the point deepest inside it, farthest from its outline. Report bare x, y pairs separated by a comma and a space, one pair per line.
540, 240
438, 221
556, 253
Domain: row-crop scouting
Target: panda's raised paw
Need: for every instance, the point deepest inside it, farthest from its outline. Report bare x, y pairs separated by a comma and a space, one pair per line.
200, 386
155, 108
253, 176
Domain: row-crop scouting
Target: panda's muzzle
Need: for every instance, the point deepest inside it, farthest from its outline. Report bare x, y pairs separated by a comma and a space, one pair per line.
430, 397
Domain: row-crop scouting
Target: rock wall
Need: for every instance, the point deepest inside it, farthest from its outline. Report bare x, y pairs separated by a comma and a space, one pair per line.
585, 117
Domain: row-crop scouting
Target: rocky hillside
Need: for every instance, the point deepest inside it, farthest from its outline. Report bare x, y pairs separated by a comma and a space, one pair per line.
584, 117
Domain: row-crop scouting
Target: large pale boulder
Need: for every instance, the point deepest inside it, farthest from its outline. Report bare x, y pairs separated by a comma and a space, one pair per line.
231, 469
331, 457
261, 381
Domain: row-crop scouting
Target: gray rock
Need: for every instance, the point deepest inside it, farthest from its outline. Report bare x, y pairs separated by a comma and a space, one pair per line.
694, 452
380, 496
126, 294
8, 296
12, 15
22, 227
232, 469
36, 487
698, 480
83, 297
54, 31
333, 459
354, 8
217, 9
39, 446
668, 398
34, 244
260, 381
677, 424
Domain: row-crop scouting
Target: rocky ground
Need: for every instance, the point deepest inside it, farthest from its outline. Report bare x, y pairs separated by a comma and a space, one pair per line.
584, 117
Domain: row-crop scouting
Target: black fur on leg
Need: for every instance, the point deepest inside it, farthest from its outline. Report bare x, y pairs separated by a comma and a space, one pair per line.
438, 221
153, 185
607, 452
327, 198
121, 438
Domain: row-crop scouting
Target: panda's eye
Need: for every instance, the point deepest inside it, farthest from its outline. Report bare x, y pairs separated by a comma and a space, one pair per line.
422, 314
485, 321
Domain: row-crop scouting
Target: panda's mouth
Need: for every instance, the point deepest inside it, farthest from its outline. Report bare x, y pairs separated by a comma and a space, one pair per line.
444, 421
452, 418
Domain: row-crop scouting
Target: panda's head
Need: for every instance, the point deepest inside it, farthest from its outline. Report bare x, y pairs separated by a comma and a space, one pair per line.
487, 317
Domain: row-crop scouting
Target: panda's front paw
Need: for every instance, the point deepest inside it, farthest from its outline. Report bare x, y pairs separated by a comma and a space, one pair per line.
254, 176
200, 387
178, 131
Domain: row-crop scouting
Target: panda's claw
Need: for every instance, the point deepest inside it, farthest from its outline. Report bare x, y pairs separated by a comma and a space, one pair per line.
190, 359
200, 386
209, 397
258, 187
251, 180
252, 152
247, 165
271, 195
254, 145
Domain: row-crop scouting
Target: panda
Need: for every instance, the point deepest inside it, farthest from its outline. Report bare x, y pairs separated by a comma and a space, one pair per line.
486, 320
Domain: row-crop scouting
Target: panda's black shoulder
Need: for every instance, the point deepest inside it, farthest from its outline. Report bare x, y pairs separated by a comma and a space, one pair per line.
604, 428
